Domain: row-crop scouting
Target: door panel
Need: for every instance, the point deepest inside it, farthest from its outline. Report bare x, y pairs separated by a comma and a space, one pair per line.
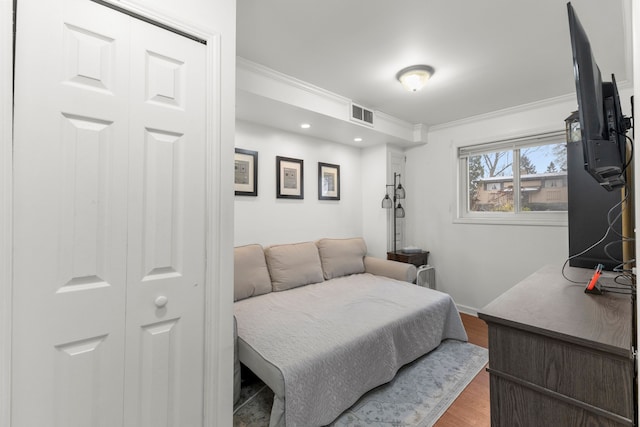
165, 297
79, 371
159, 378
70, 168
163, 231
89, 58
84, 225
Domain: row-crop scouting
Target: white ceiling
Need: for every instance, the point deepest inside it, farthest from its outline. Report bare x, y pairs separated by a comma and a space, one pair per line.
488, 54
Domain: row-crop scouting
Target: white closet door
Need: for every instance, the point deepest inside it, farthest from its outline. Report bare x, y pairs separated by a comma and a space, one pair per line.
108, 220
70, 186
165, 297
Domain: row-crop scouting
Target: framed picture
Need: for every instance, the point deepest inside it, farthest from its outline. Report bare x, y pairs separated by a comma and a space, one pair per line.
328, 181
289, 178
246, 172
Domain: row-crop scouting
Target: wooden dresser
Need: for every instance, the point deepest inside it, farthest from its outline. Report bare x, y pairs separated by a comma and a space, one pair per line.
558, 356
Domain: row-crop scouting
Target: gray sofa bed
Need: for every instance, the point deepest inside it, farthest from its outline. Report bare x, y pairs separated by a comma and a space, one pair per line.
322, 323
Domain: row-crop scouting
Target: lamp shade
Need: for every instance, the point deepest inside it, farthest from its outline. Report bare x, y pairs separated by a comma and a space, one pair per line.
386, 202
415, 77
399, 211
400, 194
573, 127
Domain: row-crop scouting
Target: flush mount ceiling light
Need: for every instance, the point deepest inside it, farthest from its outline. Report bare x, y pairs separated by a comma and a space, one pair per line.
305, 125
415, 77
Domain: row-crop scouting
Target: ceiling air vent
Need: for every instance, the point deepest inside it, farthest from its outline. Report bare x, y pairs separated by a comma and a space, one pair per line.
361, 115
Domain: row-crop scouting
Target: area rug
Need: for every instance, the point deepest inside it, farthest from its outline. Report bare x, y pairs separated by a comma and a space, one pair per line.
418, 395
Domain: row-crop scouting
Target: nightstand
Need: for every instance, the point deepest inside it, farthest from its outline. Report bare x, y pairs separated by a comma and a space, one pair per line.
415, 258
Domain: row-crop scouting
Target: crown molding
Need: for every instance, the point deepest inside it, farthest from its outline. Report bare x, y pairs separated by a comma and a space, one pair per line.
271, 74
506, 111
623, 85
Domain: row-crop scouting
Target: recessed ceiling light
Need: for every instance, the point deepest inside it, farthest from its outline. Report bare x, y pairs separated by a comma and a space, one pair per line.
357, 139
305, 126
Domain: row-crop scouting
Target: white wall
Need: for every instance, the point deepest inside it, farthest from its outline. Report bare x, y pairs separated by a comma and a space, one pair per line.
267, 220
374, 217
475, 263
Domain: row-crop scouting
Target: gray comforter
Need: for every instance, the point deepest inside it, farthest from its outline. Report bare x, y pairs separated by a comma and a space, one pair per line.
334, 341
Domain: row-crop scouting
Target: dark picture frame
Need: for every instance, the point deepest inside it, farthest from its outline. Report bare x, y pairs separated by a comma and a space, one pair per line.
289, 178
328, 181
246, 172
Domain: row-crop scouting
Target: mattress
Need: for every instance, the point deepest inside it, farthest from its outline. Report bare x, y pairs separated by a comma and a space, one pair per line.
320, 347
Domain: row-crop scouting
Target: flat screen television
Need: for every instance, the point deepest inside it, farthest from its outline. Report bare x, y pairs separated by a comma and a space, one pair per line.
602, 123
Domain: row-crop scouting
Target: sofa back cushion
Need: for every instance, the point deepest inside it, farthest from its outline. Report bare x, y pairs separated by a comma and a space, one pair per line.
341, 257
251, 276
293, 265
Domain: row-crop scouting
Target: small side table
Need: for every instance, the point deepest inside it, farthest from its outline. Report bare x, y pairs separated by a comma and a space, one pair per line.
415, 258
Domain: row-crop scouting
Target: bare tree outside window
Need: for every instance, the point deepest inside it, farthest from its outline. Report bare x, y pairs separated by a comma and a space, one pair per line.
541, 179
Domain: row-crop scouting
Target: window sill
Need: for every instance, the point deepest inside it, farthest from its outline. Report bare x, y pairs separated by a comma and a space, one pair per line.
559, 219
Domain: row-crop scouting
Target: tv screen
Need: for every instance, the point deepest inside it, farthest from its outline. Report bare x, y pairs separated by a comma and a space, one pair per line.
602, 124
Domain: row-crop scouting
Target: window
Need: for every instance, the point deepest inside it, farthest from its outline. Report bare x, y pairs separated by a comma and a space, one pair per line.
521, 180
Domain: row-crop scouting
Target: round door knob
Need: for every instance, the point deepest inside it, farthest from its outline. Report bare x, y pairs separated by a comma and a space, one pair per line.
161, 301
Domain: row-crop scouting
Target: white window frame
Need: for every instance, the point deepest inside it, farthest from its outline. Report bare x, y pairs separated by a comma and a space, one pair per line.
462, 213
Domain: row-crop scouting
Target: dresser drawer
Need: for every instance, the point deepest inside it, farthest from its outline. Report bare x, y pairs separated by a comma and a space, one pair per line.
521, 406
590, 376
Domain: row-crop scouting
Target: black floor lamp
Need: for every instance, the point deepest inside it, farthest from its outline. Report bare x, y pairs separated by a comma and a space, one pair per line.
388, 203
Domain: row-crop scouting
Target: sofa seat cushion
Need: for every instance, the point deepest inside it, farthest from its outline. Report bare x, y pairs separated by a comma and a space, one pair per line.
342, 257
293, 265
251, 276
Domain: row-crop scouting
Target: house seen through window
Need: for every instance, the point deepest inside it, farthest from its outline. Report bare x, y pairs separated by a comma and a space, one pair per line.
523, 176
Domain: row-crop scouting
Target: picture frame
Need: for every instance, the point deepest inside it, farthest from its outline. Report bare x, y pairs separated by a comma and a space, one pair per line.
328, 181
289, 178
246, 172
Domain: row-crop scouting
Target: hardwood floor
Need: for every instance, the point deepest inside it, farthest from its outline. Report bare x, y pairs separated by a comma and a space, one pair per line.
471, 408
